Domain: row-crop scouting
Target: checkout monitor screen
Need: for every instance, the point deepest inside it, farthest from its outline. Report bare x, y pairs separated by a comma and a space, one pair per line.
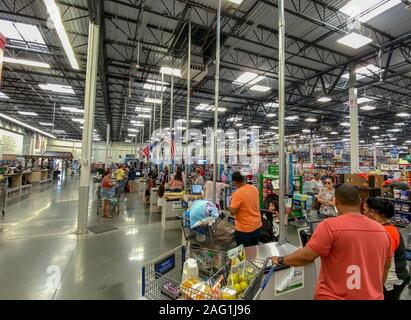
196, 189
314, 226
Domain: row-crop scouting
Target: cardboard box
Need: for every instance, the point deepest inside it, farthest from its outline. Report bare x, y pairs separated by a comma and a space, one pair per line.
355, 181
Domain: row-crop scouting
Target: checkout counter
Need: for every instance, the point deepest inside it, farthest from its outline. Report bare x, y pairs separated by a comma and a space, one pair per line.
154, 208
141, 188
173, 208
286, 283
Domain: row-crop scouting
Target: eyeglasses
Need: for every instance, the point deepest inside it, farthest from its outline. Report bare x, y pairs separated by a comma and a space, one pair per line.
328, 183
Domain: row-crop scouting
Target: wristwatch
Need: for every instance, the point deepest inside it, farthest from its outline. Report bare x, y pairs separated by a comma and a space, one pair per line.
280, 261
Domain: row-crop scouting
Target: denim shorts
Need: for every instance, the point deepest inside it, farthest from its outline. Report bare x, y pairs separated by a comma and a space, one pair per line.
106, 193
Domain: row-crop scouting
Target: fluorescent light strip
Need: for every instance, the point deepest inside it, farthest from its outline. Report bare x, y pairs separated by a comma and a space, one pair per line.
324, 99
57, 88
27, 113
46, 124
141, 109
3, 96
151, 100
6, 117
26, 62
147, 116
260, 88
72, 109
58, 24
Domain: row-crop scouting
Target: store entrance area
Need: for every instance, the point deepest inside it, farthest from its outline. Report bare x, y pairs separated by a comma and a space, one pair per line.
42, 258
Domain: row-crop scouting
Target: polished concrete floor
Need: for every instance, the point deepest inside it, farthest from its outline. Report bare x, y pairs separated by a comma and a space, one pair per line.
41, 257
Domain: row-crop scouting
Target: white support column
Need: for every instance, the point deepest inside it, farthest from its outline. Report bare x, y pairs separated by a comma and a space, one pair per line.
354, 145
216, 99
107, 145
312, 151
89, 105
281, 112
375, 157
187, 155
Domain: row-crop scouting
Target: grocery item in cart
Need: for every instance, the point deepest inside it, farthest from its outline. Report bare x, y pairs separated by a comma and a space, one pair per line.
202, 213
190, 270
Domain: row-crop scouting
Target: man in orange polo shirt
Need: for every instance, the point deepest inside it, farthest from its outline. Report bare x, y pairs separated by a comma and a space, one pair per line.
246, 211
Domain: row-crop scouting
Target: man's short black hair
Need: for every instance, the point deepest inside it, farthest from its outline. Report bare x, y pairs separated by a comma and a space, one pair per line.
237, 177
347, 195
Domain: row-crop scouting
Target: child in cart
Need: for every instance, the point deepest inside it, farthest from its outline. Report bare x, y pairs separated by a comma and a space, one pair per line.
107, 193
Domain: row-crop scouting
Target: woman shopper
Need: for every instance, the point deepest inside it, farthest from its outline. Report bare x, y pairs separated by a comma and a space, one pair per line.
106, 193
382, 211
326, 198
176, 182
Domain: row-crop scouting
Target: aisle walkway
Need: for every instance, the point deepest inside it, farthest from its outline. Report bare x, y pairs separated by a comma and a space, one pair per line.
42, 258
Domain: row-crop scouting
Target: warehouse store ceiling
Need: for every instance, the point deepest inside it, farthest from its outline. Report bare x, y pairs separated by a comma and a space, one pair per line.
44, 74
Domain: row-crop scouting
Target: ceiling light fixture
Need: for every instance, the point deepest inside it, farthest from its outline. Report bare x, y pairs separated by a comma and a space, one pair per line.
374, 128
59, 131
311, 120
141, 109
334, 133
151, 100
403, 114
6, 117
271, 105
363, 100
324, 99
367, 108
238, 124
399, 124
270, 115
72, 109
26, 62
27, 113
46, 124
259, 88
354, 40
57, 88
248, 78
365, 71
146, 116
345, 124
291, 118
196, 121
58, 24
79, 120
171, 71
3, 96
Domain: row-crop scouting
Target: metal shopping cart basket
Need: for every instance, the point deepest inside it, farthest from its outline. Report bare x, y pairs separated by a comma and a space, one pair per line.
217, 236
162, 279
114, 200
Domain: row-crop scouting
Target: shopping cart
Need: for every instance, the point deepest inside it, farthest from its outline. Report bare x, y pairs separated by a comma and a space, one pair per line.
114, 200
162, 278
209, 236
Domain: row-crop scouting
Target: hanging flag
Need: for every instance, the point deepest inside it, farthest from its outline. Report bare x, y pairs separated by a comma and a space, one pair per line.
146, 151
2, 47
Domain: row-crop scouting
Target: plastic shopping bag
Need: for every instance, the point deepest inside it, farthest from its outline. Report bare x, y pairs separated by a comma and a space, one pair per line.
202, 213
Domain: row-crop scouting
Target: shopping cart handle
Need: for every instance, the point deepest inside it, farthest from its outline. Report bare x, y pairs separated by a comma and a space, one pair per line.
267, 278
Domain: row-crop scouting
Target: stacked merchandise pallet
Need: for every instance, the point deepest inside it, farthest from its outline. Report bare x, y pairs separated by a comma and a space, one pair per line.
402, 212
